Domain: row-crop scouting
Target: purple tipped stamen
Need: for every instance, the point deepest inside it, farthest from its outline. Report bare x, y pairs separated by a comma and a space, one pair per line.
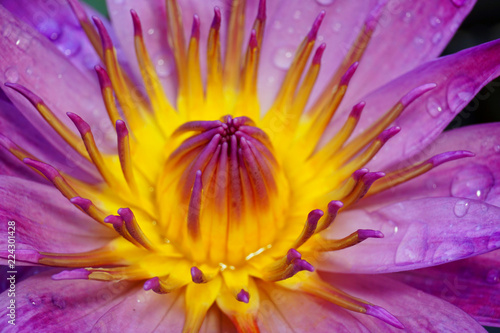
197, 275
384, 315
76, 274
243, 296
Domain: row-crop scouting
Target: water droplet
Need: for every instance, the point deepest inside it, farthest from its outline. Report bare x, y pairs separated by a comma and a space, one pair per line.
413, 246
493, 276
460, 91
461, 208
459, 3
435, 21
11, 75
277, 25
418, 40
50, 29
163, 68
29, 71
118, 1
23, 43
448, 251
337, 26
151, 31
290, 30
283, 57
297, 14
141, 298
325, 2
407, 17
473, 182
437, 37
70, 47
494, 241
434, 107
496, 148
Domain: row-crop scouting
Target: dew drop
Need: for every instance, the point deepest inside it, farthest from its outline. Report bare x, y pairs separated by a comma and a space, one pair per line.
418, 40
496, 148
473, 182
325, 2
435, 21
407, 17
437, 37
460, 91
11, 75
494, 241
337, 26
461, 208
163, 68
50, 29
459, 3
448, 251
151, 31
23, 43
433, 107
277, 25
29, 71
493, 276
70, 47
297, 14
290, 30
283, 57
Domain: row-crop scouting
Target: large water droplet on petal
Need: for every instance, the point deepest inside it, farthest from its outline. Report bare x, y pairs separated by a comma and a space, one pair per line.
461, 208
283, 57
434, 107
413, 246
460, 91
448, 251
325, 2
473, 182
50, 29
11, 74
493, 276
70, 47
494, 241
435, 21
163, 67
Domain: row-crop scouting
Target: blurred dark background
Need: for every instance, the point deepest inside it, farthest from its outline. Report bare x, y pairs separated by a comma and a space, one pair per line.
481, 26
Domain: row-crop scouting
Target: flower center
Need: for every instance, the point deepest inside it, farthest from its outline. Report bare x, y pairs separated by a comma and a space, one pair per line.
222, 194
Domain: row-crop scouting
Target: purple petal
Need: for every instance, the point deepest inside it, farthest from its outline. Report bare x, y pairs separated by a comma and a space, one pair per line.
33, 61
417, 233
45, 220
472, 284
458, 77
417, 311
476, 178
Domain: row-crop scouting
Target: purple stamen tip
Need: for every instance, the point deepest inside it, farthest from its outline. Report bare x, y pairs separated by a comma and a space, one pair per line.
80, 124
253, 43
28, 94
195, 30
116, 221
302, 265
368, 233
315, 27
449, 156
136, 22
197, 275
373, 17
7, 143
358, 174
105, 38
388, 133
319, 54
217, 19
47, 170
334, 206
152, 284
291, 255
76, 274
126, 214
416, 93
371, 177
349, 74
261, 14
314, 216
103, 77
121, 128
356, 110
383, 314
81, 202
243, 296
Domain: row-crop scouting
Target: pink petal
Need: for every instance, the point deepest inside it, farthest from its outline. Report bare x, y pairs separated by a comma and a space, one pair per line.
33, 61
283, 310
418, 311
63, 306
418, 233
45, 220
412, 33
458, 77
476, 178
472, 284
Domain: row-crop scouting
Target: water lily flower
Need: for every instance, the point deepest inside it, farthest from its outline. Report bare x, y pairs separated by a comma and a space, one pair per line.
247, 166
